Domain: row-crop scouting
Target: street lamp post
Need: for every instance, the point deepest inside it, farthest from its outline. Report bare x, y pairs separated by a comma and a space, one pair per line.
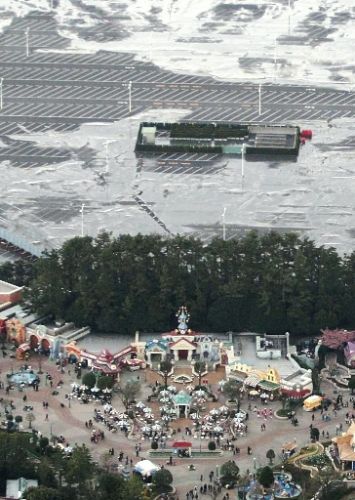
130, 96
224, 223
27, 35
243, 154
275, 58
1, 84
82, 219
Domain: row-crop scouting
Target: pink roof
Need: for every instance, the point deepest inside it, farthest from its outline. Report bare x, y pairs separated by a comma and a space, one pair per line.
335, 338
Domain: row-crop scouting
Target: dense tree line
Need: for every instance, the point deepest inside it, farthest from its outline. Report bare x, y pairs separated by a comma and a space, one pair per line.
270, 282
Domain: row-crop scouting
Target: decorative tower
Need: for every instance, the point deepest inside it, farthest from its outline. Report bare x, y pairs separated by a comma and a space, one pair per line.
183, 318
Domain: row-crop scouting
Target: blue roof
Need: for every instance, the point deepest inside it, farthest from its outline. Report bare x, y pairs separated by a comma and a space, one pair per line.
161, 344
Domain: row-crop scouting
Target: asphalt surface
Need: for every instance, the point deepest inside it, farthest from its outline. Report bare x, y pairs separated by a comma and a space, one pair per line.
58, 92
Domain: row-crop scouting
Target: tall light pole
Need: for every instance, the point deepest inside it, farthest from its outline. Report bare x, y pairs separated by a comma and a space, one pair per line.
1, 83
82, 219
275, 58
259, 99
106, 157
129, 96
224, 223
27, 35
243, 154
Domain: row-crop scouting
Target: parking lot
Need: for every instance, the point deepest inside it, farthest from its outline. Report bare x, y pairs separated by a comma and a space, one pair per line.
73, 133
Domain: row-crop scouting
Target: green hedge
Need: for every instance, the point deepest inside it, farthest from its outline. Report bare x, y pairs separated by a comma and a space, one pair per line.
208, 130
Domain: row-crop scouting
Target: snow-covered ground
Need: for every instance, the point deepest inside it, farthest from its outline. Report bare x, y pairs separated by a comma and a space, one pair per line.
228, 40
296, 40
313, 196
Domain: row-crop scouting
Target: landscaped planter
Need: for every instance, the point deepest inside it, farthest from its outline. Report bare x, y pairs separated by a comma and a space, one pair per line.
281, 417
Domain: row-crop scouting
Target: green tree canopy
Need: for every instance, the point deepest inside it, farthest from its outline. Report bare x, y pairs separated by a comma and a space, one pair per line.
165, 368
232, 389
200, 368
129, 391
230, 471
105, 382
265, 477
89, 379
270, 454
43, 493
79, 468
162, 480
274, 282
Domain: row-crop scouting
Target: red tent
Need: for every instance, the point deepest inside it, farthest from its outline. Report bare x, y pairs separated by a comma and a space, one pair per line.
182, 444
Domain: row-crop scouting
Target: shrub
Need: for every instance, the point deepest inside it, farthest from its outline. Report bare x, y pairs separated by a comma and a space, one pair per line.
18, 418
154, 445
211, 445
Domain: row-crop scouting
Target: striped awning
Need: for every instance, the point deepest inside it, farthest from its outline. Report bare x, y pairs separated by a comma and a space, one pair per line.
252, 380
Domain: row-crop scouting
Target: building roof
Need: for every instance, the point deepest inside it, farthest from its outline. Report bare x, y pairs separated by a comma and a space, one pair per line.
183, 341
182, 398
15, 487
272, 130
6, 287
155, 344
294, 394
336, 338
350, 349
252, 380
268, 386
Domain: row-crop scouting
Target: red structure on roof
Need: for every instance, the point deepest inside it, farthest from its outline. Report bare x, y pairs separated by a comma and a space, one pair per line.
182, 444
334, 339
293, 394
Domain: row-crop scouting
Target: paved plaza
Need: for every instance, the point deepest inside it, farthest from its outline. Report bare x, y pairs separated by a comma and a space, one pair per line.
70, 422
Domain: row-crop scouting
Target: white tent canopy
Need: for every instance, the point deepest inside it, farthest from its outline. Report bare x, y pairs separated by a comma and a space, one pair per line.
146, 468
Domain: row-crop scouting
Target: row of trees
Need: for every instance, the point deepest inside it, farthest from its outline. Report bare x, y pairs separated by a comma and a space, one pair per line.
270, 282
